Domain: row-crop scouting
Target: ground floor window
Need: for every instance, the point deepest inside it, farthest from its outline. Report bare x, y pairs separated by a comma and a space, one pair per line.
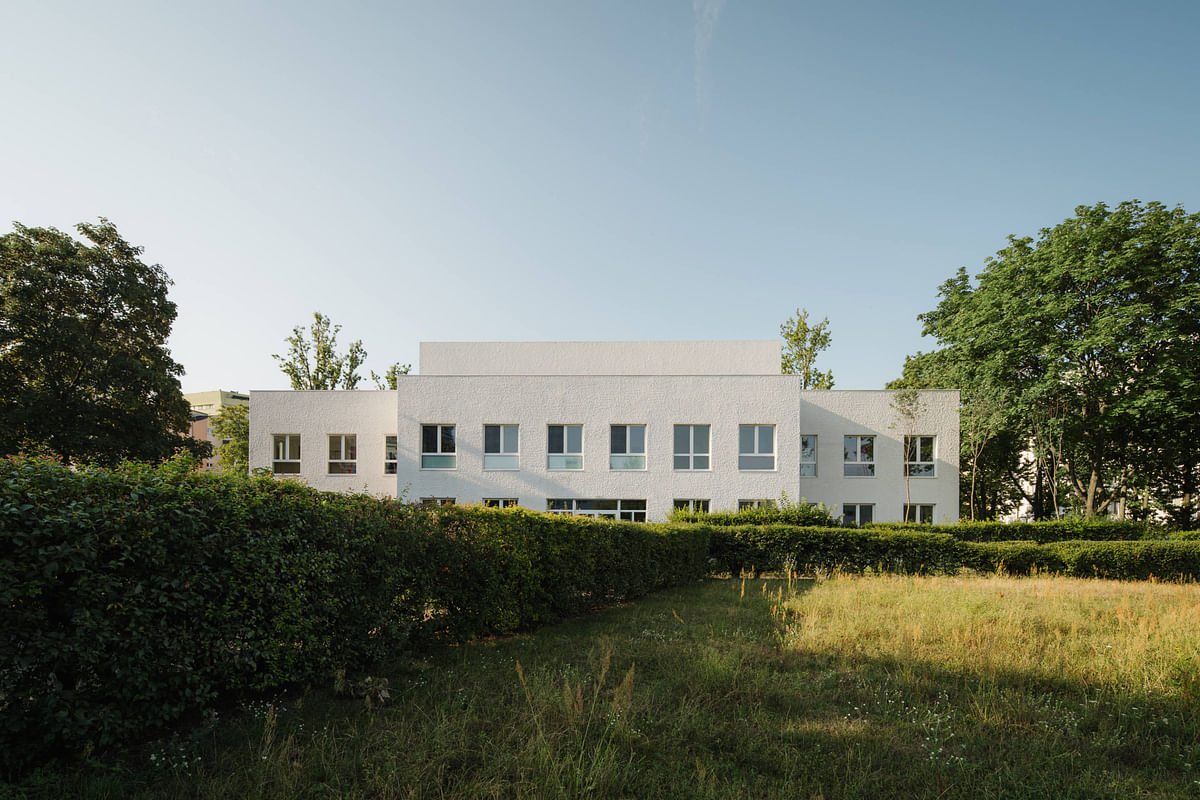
691, 505
389, 455
438, 501
499, 502
343, 454
914, 512
857, 513
286, 453
631, 510
764, 502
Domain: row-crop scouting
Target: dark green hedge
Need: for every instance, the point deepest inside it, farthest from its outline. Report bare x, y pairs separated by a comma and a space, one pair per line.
1059, 530
789, 514
775, 548
132, 597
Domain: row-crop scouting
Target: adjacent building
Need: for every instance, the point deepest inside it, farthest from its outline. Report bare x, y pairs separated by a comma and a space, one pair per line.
204, 406
628, 430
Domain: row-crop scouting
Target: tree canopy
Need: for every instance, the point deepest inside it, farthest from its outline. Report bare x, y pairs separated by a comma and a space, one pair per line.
85, 373
232, 425
801, 344
1080, 346
315, 363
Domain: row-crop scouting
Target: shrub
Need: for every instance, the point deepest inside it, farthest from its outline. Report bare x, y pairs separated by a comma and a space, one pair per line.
1059, 530
785, 514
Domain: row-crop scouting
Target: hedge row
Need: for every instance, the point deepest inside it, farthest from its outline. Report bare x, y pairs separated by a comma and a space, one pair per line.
777, 548
787, 514
134, 597
1058, 530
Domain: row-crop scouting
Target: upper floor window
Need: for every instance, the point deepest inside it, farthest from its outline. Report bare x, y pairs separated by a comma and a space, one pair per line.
627, 447
756, 447
285, 455
858, 456
437, 447
808, 456
564, 448
343, 454
500, 447
691, 447
389, 455
918, 456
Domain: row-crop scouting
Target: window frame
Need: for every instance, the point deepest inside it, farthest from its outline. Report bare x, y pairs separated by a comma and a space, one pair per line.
572, 507
502, 453
287, 445
909, 462
757, 453
815, 441
440, 441
628, 453
756, 502
500, 502
438, 501
918, 517
566, 452
858, 520
330, 461
691, 455
394, 461
691, 504
846, 463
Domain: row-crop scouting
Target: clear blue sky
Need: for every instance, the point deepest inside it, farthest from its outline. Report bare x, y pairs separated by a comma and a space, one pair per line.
583, 171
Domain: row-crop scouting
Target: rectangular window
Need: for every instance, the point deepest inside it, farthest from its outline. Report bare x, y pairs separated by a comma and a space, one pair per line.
760, 503
857, 513
808, 456
285, 456
627, 449
756, 447
564, 448
858, 454
389, 455
629, 510
343, 454
438, 501
918, 513
691, 447
499, 502
918, 456
692, 505
500, 447
437, 447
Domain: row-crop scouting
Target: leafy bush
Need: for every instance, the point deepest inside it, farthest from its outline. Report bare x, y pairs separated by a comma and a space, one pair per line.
134, 596
812, 514
1059, 530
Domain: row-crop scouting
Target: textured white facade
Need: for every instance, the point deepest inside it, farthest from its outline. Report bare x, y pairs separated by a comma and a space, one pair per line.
552, 395
600, 358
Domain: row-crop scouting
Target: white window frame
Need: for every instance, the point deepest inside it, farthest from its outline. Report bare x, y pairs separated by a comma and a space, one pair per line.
694, 505
439, 452
858, 507
759, 502
757, 451
808, 468
499, 502
285, 439
691, 454
507, 460
347, 443
924, 469
566, 451
628, 456
438, 501
919, 516
849, 463
598, 508
390, 465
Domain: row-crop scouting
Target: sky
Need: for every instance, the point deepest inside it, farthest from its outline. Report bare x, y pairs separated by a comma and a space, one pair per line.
608, 170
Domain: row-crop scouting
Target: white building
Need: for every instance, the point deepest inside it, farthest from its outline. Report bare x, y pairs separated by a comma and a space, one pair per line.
623, 429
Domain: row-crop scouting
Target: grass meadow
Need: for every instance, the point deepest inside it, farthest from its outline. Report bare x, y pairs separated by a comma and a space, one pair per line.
849, 687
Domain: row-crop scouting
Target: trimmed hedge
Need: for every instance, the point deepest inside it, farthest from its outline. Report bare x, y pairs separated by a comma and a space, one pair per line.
135, 596
1058, 530
789, 514
775, 548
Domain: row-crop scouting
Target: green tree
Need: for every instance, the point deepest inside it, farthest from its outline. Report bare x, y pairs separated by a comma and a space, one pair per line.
388, 379
316, 363
85, 373
1089, 334
232, 425
801, 344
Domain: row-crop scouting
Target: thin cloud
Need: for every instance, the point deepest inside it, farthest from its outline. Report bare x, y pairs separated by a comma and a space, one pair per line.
707, 14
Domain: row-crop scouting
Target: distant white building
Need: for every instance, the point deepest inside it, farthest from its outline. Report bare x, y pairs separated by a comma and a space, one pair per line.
620, 429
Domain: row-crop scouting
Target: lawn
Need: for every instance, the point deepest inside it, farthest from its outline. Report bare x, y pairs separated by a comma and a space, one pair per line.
869, 687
